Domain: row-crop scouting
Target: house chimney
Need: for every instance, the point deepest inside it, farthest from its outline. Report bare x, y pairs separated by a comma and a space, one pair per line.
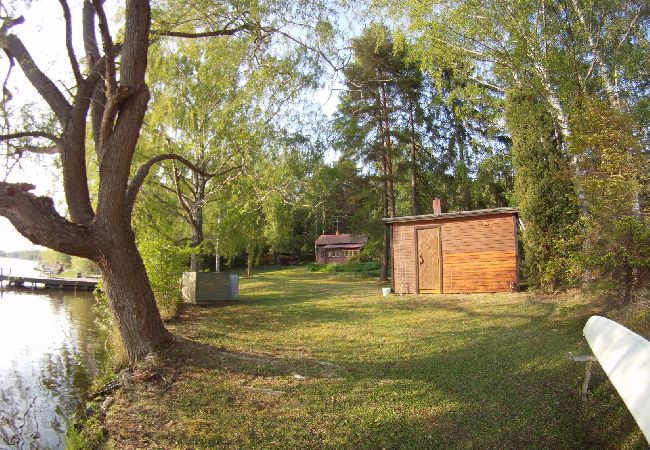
436, 206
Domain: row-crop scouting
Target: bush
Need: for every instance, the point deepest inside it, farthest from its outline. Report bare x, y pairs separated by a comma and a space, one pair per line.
345, 267
621, 256
165, 264
314, 267
358, 266
363, 257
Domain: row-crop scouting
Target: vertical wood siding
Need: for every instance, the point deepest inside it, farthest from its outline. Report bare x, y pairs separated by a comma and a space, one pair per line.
479, 254
404, 265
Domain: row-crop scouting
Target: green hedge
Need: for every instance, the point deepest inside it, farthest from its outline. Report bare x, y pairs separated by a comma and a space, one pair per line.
345, 267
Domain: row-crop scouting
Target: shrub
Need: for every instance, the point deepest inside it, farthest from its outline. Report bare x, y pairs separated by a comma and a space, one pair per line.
358, 266
165, 264
350, 266
621, 255
314, 267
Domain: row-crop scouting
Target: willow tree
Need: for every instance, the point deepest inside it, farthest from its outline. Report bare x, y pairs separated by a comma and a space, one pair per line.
199, 110
216, 103
112, 95
109, 98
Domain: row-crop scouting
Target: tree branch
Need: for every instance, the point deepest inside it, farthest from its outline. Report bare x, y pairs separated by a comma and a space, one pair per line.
37, 219
303, 44
36, 134
181, 201
98, 69
45, 87
186, 183
68, 42
89, 38
51, 150
138, 179
205, 34
109, 47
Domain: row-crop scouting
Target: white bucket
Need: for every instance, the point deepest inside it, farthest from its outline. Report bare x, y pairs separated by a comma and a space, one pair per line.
385, 291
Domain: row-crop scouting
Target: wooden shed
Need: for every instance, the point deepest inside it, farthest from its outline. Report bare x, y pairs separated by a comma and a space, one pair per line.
455, 252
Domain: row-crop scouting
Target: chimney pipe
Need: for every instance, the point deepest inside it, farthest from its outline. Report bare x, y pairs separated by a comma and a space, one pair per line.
437, 209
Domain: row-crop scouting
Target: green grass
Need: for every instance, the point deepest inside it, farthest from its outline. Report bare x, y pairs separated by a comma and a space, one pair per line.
311, 360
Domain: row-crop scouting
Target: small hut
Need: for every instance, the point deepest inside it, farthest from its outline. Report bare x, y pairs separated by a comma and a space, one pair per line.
338, 248
455, 252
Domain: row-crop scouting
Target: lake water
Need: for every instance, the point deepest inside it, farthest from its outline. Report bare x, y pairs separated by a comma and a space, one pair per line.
50, 350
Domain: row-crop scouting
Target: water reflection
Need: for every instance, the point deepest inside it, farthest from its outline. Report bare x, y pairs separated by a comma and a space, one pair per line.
49, 352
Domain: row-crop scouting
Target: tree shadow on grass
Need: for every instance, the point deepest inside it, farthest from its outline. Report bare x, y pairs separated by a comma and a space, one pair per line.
511, 387
187, 353
499, 380
509, 381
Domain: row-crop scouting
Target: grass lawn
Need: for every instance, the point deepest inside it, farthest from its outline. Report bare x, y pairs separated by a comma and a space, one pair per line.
314, 360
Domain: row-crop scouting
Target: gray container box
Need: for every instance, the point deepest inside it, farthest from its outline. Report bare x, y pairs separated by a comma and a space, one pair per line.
203, 288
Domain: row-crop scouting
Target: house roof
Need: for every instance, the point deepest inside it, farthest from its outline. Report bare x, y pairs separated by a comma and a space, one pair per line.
340, 239
342, 246
451, 215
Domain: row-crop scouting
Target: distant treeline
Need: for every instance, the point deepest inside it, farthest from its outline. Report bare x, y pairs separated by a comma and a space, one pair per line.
34, 255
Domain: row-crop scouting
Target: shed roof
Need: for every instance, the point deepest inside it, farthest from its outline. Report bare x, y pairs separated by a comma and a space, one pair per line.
451, 215
339, 239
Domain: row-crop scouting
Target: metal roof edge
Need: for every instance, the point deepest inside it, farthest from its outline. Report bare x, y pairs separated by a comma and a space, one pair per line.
451, 215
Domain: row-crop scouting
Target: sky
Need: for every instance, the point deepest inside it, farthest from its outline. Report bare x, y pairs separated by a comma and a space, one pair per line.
43, 35
42, 30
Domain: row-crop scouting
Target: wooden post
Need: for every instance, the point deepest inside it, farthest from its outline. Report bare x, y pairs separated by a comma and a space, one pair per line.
589, 359
585, 383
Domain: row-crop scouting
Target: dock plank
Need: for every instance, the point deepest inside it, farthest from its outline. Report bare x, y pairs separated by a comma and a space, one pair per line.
51, 282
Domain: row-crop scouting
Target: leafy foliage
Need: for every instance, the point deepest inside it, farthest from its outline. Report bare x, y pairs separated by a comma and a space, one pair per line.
165, 264
606, 142
350, 266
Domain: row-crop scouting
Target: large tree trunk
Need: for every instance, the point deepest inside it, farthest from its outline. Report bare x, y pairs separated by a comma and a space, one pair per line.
383, 273
414, 165
112, 248
388, 151
195, 217
118, 108
132, 300
196, 260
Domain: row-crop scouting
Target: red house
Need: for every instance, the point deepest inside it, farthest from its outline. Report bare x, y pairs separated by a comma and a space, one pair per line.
338, 248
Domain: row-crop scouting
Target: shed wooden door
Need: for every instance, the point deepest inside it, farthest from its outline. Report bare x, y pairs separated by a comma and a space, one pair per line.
428, 260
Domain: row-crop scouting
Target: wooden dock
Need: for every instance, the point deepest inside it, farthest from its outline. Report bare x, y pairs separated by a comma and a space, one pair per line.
84, 283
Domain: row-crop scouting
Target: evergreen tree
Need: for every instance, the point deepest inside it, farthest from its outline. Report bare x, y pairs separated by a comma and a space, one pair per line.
366, 115
543, 188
